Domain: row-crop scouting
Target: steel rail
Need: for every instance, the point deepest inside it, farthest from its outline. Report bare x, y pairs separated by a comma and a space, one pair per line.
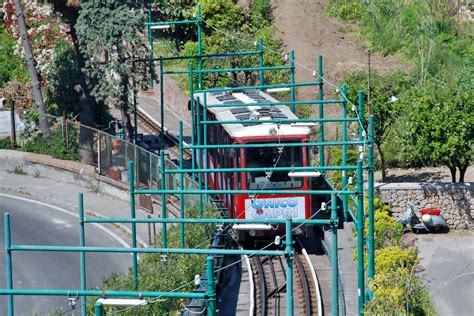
306, 292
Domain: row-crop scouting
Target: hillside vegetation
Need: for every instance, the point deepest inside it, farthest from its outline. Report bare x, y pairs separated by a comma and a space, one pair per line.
425, 116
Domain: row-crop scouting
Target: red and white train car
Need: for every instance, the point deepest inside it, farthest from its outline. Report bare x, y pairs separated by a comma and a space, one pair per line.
261, 205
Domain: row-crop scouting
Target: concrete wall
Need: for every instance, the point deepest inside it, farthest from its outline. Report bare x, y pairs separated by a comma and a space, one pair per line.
174, 97
456, 200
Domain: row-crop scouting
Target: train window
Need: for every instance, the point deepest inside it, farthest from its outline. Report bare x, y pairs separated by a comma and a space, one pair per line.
268, 157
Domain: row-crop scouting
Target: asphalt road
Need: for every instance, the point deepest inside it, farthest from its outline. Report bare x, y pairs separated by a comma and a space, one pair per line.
40, 224
449, 263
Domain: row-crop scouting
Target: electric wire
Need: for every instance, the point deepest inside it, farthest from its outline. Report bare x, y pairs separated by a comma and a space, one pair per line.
297, 63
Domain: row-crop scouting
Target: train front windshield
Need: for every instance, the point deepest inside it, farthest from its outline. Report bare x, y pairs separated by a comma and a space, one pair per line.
268, 157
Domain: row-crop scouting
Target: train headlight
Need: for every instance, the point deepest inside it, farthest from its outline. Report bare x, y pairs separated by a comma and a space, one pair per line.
273, 131
252, 233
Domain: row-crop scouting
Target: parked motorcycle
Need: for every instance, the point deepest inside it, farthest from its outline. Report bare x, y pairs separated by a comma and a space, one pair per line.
431, 220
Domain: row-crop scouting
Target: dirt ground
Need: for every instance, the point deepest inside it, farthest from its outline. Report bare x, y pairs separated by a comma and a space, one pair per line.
431, 174
305, 28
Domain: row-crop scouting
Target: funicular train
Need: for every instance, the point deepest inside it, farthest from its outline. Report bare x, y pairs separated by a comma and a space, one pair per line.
261, 205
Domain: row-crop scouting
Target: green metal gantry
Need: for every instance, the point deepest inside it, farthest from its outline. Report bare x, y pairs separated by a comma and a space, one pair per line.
347, 193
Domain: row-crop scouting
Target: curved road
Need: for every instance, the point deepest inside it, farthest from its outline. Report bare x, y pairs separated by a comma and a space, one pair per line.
36, 223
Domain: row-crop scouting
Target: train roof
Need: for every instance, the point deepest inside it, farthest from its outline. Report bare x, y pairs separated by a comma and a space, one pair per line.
258, 113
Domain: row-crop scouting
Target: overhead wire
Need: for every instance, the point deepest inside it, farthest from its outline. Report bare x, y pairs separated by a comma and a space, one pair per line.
297, 63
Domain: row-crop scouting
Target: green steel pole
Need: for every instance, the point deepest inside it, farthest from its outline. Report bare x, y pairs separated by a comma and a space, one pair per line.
199, 44
321, 110
344, 151
360, 237
162, 105
191, 96
98, 307
134, 226
206, 159
102, 293
361, 115
216, 221
181, 179
371, 246
211, 291
163, 199
135, 118
8, 261
150, 39
242, 191
334, 258
262, 65
199, 151
82, 243
289, 252
292, 79
196, 251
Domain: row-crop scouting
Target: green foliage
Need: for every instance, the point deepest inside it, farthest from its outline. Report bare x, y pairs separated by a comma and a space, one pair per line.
11, 66
243, 28
345, 10
177, 10
6, 143
56, 146
63, 76
396, 287
261, 10
178, 270
387, 232
336, 160
440, 127
18, 170
110, 45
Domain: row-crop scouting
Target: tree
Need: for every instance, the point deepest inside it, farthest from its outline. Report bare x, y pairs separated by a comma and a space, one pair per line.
30, 61
88, 106
385, 109
439, 127
110, 36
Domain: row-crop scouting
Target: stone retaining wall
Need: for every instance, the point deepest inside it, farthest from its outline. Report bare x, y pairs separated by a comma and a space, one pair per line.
456, 200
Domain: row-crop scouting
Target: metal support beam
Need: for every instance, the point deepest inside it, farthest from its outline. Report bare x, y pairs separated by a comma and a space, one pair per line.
98, 307
134, 226
8, 261
292, 80
162, 105
163, 199
360, 238
211, 291
181, 179
82, 243
334, 258
321, 110
371, 245
289, 253
344, 151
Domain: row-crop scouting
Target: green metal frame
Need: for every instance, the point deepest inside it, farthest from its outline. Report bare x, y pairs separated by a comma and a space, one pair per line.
199, 145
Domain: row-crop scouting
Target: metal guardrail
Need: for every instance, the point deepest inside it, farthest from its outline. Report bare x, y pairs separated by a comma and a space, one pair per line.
111, 155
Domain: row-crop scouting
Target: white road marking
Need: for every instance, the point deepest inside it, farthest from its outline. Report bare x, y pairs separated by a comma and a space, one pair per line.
101, 227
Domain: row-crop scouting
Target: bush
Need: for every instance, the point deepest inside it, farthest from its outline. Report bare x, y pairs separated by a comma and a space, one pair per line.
6, 143
56, 146
387, 232
345, 10
396, 287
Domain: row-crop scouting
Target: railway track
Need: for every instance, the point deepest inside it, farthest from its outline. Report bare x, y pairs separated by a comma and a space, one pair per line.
270, 280
149, 125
